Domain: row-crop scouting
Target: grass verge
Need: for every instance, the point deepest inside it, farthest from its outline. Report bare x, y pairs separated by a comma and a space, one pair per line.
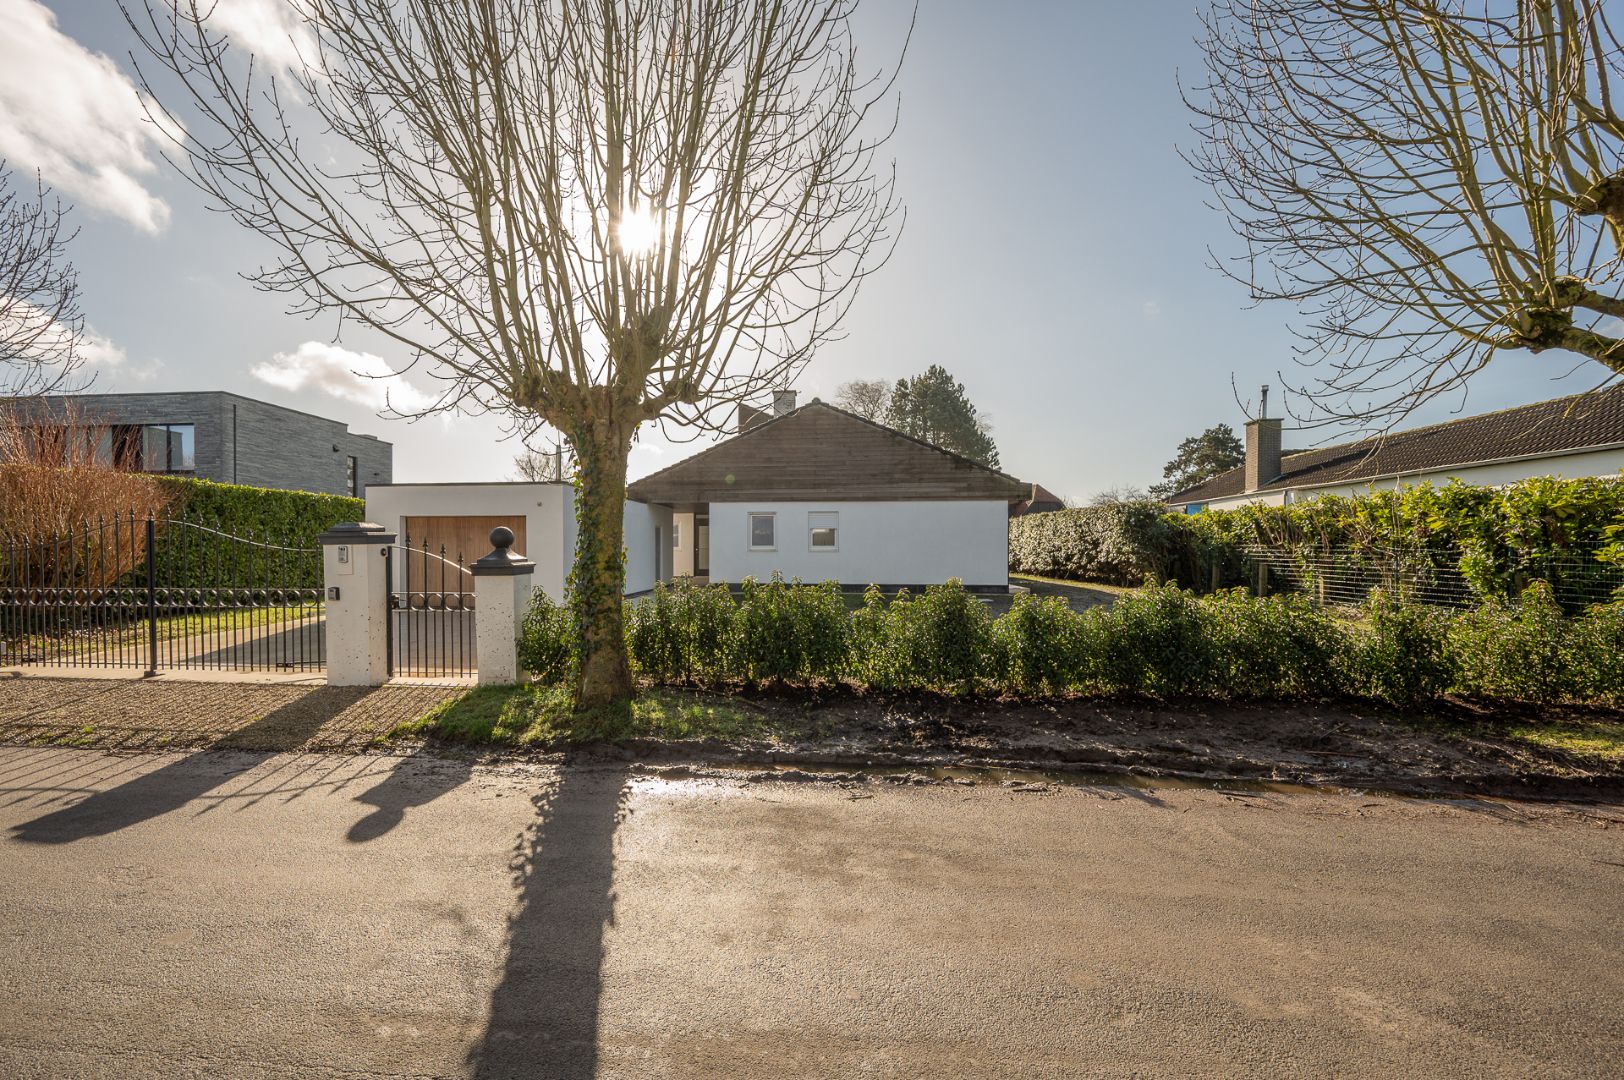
538, 717
1601, 739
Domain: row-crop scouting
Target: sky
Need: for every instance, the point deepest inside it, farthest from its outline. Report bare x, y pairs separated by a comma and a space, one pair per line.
1055, 257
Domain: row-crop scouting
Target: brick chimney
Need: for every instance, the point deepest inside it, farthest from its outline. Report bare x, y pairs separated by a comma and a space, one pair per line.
1262, 446
783, 402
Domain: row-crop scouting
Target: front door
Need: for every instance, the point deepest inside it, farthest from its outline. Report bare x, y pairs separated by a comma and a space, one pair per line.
701, 545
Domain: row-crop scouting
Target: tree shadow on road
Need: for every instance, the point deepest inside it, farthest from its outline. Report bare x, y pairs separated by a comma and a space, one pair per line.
544, 1013
414, 781
174, 785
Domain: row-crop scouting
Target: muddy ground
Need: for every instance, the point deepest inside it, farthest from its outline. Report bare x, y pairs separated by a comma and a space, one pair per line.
848, 737
1448, 749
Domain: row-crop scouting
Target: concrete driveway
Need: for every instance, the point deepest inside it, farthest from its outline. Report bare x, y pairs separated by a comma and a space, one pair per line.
231, 914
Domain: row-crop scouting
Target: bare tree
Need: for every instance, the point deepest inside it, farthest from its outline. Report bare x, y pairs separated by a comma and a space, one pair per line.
1119, 493
1428, 182
545, 466
593, 214
41, 326
868, 398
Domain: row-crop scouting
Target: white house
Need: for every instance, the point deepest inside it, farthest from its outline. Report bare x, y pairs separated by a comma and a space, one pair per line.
1571, 437
814, 493
821, 494
458, 518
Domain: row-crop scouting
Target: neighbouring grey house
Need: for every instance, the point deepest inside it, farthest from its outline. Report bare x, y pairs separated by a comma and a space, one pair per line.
224, 437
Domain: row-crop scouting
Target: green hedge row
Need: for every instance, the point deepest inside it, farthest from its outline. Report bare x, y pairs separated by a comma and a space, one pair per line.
279, 527
1496, 537
1162, 641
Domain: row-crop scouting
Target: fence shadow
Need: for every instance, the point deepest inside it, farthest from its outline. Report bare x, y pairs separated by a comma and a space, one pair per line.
172, 786
544, 1013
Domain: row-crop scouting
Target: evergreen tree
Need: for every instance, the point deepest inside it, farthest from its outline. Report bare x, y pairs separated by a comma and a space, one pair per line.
934, 407
1199, 458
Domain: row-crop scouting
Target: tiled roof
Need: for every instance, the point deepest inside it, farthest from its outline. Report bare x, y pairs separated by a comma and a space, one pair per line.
1565, 425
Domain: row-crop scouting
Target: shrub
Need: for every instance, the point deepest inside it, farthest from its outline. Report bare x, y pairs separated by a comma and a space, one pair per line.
1520, 649
1119, 543
1157, 641
549, 641
1402, 655
1278, 646
1597, 650
880, 642
949, 638
782, 631
1041, 646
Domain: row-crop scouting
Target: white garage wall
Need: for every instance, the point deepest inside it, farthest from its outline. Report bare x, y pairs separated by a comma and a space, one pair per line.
541, 505
916, 542
549, 515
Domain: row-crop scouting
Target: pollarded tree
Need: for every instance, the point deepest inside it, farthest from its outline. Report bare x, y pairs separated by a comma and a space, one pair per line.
590, 214
41, 324
1429, 182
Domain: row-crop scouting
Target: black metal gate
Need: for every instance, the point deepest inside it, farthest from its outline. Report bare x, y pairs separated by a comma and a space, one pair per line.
161, 594
431, 613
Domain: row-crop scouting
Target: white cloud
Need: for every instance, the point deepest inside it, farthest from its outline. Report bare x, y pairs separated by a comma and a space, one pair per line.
271, 29
363, 378
72, 115
1152, 308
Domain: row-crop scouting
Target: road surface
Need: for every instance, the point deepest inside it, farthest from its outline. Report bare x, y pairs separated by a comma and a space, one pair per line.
229, 914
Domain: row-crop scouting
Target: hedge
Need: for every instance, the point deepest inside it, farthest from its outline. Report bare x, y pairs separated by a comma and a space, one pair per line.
271, 517
1498, 538
1161, 641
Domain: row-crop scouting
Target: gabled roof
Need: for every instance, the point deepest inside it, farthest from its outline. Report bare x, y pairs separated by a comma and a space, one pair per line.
819, 452
1560, 426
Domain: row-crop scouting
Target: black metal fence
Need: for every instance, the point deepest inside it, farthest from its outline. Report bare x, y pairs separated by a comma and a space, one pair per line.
431, 613
158, 594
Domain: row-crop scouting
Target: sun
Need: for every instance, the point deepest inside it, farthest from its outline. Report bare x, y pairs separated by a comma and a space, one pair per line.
639, 232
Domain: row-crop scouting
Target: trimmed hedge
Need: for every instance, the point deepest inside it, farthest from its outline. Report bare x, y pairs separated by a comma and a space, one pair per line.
188, 558
1498, 538
1119, 544
1160, 641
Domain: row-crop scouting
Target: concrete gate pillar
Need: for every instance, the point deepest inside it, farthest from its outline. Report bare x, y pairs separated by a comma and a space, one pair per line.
503, 581
356, 577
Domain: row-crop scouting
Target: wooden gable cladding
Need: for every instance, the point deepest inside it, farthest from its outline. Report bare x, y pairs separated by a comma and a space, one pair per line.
819, 452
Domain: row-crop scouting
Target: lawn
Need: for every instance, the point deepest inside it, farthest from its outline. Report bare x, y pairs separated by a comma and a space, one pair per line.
536, 716
131, 629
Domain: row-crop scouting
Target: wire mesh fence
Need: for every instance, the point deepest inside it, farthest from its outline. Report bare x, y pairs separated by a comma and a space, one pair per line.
1578, 577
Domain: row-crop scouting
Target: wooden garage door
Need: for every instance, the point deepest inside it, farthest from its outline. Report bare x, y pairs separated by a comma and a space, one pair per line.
463, 538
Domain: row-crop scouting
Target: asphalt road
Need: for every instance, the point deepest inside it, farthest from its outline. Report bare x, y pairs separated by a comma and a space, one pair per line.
228, 914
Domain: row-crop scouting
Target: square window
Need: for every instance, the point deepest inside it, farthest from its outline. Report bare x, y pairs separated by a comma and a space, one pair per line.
763, 533
823, 530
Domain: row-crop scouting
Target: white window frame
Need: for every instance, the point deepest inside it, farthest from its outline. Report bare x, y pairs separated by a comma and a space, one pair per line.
676, 536
822, 519
750, 529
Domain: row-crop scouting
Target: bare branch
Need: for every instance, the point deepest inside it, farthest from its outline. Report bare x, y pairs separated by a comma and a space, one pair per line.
1425, 181
41, 326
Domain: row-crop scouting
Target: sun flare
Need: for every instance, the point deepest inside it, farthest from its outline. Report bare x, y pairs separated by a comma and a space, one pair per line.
638, 232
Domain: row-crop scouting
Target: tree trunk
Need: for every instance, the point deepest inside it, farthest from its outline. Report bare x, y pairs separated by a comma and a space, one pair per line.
598, 580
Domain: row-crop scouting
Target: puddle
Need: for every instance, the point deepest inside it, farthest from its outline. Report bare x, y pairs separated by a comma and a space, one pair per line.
1035, 779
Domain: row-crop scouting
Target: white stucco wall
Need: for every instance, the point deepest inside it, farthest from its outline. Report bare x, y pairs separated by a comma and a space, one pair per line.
549, 515
646, 526
1605, 463
682, 559
916, 542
